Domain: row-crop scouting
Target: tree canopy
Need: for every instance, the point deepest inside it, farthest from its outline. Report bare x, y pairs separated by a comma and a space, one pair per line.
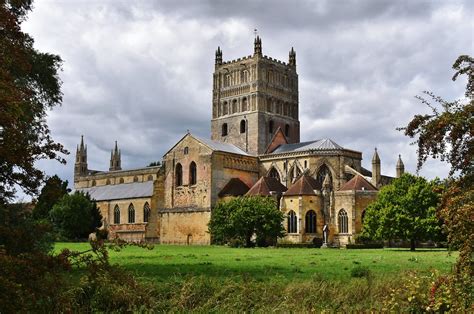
29, 85
76, 216
404, 209
239, 219
53, 190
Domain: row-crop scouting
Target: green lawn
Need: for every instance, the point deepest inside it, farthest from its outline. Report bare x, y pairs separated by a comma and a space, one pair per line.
165, 262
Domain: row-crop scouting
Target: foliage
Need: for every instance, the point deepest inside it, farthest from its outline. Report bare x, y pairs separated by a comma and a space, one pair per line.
241, 218
30, 86
404, 209
76, 216
154, 164
360, 272
53, 190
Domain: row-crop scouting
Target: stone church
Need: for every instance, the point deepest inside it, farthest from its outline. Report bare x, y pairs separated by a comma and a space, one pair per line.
254, 149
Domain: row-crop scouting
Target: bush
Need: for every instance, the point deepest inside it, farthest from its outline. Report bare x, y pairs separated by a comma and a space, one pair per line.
374, 245
360, 272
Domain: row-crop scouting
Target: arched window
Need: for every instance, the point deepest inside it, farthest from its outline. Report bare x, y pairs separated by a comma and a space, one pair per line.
227, 80
242, 126
343, 221
93, 183
179, 175
292, 222
274, 174
186, 150
116, 215
245, 76
310, 222
146, 212
107, 182
234, 106
225, 108
150, 178
135, 179
131, 214
192, 173
287, 130
121, 180
294, 173
323, 170
244, 104
224, 129
270, 127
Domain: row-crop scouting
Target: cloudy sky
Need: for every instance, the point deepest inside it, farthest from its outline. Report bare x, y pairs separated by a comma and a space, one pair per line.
140, 72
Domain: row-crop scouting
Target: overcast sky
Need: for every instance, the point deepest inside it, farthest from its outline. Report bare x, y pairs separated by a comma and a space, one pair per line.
140, 72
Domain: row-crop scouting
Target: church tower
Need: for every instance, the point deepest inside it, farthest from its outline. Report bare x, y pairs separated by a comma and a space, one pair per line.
80, 166
252, 97
115, 159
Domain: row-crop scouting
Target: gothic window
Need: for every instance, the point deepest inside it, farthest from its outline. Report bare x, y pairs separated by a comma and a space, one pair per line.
323, 170
135, 179
245, 76
93, 183
116, 215
179, 175
242, 126
131, 214
224, 129
146, 212
294, 173
107, 182
192, 173
270, 127
287, 130
227, 80
234, 106
274, 174
292, 222
186, 150
121, 180
225, 108
343, 221
150, 178
244, 104
310, 222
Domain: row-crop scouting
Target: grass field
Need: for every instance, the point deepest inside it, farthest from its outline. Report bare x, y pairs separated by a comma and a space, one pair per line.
167, 262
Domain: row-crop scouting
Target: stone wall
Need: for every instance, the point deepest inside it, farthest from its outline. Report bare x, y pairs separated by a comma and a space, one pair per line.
184, 227
116, 177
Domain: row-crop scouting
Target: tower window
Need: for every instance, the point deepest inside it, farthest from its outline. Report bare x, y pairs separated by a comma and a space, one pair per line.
234, 106
270, 127
287, 130
192, 173
186, 150
224, 129
244, 104
242, 126
179, 175
225, 108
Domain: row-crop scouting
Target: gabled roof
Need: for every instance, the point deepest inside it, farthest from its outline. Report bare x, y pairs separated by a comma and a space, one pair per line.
120, 191
322, 144
235, 187
265, 185
358, 183
278, 139
213, 145
305, 185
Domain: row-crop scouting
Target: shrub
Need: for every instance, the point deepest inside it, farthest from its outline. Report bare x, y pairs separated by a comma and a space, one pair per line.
360, 272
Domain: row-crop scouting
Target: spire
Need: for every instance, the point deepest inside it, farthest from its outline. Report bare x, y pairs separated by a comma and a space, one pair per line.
115, 159
82, 142
292, 57
218, 56
400, 166
80, 167
375, 157
376, 171
257, 46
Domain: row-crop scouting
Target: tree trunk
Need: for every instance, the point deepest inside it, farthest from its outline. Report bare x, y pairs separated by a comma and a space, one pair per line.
412, 244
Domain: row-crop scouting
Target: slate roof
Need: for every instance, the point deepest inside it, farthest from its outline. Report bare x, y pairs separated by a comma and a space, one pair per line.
305, 185
219, 146
358, 183
120, 191
265, 185
322, 144
235, 187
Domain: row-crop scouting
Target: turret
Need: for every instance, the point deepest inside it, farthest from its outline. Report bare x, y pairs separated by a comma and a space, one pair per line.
80, 166
218, 56
400, 167
257, 51
376, 173
115, 159
292, 57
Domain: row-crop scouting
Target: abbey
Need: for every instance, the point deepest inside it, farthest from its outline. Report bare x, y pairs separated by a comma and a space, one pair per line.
254, 149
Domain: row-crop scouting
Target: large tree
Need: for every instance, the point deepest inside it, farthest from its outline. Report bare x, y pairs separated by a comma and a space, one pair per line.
241, 218
29, 86
53, 190
76, 216
404, 209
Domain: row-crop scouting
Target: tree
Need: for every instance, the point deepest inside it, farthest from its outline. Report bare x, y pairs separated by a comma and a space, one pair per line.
75, 216
53, 190
29, 85
241, 218
404, 209
154, 164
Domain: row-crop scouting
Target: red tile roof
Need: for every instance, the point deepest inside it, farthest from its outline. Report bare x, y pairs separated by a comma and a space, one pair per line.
305, 185
265, 185
358, 183
235, 187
